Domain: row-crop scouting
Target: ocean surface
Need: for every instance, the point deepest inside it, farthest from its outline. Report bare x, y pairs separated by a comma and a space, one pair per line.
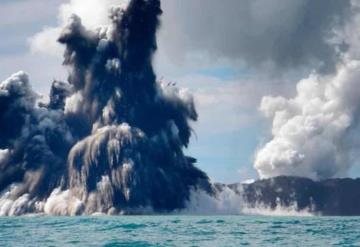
180, 231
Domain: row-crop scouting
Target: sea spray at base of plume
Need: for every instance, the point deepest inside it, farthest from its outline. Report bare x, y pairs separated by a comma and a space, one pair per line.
226, 201
232, 200
280, 196
283, 211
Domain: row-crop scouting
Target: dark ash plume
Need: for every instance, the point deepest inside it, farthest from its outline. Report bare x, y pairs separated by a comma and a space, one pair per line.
36, 140
110, 140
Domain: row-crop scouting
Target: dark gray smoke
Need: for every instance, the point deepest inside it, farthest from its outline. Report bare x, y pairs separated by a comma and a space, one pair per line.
36, 140
110, 140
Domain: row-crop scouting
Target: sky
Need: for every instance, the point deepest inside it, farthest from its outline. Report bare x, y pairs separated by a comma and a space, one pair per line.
230, 54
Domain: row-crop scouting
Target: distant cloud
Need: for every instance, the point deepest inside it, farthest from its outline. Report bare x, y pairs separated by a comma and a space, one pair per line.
229, 104
279, 33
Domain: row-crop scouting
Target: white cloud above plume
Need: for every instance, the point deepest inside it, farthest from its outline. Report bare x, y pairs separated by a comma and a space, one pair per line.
93, 14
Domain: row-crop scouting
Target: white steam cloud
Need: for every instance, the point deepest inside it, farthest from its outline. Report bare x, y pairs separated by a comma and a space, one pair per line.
315, 133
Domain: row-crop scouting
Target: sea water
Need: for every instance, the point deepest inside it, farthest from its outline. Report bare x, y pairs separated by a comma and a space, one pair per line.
180, 231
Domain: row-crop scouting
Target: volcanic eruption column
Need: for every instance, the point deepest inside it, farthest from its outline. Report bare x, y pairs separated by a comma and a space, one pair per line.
110, 140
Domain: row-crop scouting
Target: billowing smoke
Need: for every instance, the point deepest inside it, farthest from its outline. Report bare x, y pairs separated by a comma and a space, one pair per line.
316, 133
36, 140
111, 139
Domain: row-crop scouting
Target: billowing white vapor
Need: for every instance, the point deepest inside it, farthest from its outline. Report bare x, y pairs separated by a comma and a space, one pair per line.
316, 133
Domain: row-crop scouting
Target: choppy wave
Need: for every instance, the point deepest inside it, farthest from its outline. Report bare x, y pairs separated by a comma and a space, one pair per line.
179, 231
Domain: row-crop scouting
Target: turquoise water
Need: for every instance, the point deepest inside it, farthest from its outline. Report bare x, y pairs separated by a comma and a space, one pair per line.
180, 231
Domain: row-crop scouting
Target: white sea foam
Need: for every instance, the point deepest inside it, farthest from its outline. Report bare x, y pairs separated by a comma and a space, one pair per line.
226, 202
279, 210
229, 202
